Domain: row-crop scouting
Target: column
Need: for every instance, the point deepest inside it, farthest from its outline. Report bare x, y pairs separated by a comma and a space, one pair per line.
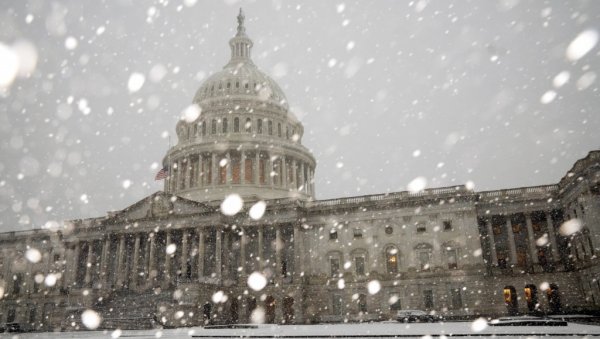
261, 246
228, 168
294, 175
213, 169
104, 260
243, 168
284, 179
188, 172
152, 262
88, 264
511, 241
168, 259
298, 252
200, 173
278, 258
531, 239
552, 237
302, 177
136, 257
120, 260
490, 233
200, 252
269, 171
218, 254
184, 254
243, 241
257, 167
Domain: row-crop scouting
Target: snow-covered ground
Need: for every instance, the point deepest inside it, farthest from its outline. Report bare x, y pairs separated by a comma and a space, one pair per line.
373, 330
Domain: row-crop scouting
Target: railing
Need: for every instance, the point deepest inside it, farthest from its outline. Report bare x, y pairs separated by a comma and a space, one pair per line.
388, 196
534, 191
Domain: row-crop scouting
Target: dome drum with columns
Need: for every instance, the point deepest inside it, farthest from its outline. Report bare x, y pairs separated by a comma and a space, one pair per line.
244, 141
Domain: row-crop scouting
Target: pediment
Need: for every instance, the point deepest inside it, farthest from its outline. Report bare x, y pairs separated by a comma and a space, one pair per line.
158, 205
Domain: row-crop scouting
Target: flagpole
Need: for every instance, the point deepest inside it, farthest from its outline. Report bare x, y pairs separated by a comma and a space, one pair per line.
169, 166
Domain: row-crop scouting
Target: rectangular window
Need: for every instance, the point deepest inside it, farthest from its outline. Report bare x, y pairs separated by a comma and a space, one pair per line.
223, 174
261, 171
270, 127
428, 299
235, 170
421, 228
337, 305
456, 298
259, 126
447, 225
362, 303
357, 233
248, 171
333, 235
395, 303
335, 266
359, 263
424, 259
452, 258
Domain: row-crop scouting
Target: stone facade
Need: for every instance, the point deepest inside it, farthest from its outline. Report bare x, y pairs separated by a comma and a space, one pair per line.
175, 259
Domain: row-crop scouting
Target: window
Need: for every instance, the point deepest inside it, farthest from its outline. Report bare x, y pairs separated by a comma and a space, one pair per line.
452, 258
456, 298
447, 225
335, 266
421, 228
395, 303
203, 129
236, 125
389, 230
213, 127
428, 299
357, 233
224, 125
248, 125
279, 130
270, 127
359, 264
337, 305
333, 235
362, 303
424, 258
259, 126
391, 260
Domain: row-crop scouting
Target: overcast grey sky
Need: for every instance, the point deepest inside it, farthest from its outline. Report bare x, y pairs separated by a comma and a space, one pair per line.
387, 91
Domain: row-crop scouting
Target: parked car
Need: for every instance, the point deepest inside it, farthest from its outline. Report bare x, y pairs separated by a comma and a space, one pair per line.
412, 316
11, 327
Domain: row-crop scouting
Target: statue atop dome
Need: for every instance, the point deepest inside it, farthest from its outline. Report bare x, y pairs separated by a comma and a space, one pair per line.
240, 18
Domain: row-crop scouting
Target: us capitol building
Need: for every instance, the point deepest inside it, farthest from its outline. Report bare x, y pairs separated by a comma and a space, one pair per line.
176, 259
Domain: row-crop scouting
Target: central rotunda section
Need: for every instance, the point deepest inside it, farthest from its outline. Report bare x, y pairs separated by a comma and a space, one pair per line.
245, 139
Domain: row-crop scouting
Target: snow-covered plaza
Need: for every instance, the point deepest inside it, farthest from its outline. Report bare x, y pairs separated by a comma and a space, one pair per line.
365, 330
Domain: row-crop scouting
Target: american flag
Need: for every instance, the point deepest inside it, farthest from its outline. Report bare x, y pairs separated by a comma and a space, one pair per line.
162, 174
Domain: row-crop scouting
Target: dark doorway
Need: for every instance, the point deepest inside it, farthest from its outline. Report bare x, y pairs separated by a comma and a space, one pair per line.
233, 310
510, 299
531, 297
554, 299
270, 310
288, 310
206, 310
251, 306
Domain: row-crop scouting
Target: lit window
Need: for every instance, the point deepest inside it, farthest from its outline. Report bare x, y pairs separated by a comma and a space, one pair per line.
391, 260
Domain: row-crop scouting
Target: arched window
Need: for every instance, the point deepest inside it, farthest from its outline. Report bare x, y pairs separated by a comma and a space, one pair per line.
259, 126
392, 259
248, 125
236, 125
224, 125
213, 127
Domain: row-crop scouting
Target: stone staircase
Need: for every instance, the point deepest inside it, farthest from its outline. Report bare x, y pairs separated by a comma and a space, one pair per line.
127, 309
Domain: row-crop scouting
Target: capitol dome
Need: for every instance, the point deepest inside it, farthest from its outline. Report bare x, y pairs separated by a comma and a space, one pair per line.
245, 139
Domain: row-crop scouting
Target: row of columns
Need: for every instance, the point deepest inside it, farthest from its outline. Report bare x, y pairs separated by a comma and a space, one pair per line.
530, 240
191, 174
148, 264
